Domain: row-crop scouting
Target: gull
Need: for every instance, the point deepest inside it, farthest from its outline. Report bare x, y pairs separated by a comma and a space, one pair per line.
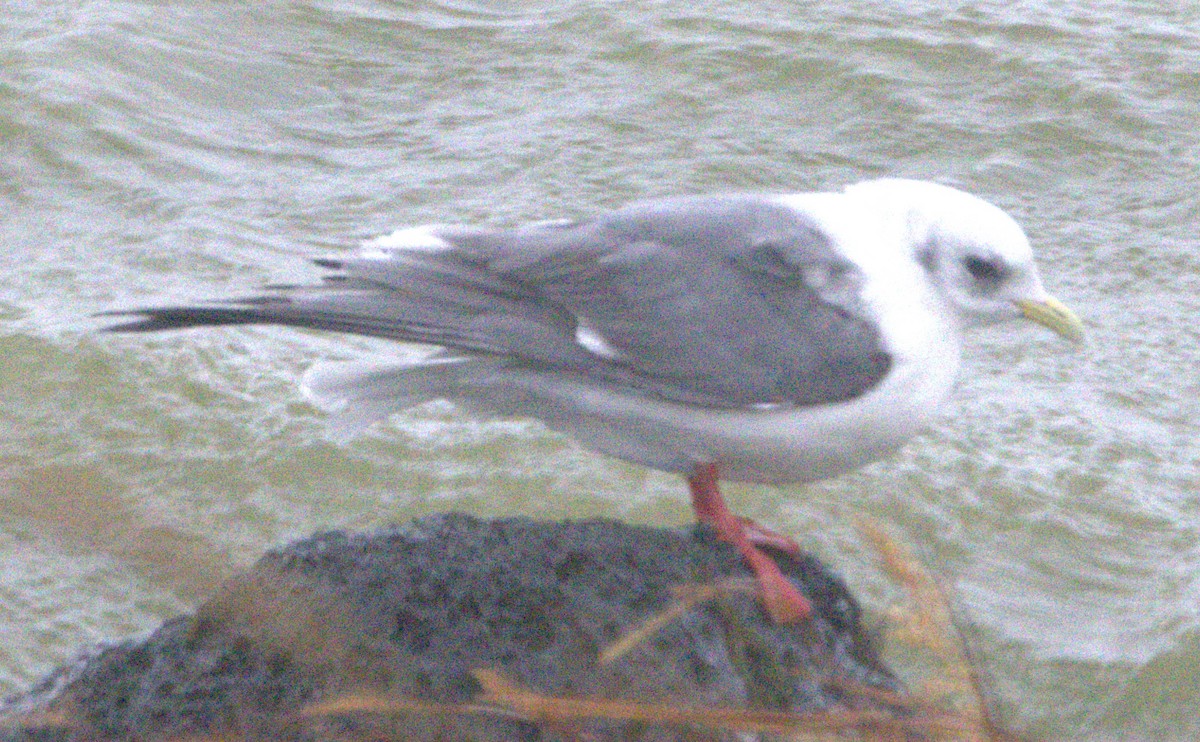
770, 338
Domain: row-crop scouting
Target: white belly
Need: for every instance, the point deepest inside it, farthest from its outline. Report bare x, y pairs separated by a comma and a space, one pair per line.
770, 446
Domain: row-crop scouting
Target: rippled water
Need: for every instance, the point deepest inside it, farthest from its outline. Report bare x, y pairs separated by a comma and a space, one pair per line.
155, 151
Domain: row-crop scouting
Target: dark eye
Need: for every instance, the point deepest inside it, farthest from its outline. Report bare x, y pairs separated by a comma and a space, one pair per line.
988, 272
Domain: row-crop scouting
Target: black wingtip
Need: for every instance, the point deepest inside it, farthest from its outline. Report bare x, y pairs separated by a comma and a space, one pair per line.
174, 318
142, 324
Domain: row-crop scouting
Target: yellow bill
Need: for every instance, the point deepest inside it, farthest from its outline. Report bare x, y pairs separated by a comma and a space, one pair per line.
1052, 313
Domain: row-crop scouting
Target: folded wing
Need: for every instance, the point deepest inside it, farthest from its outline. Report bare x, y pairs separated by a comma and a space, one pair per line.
725, 301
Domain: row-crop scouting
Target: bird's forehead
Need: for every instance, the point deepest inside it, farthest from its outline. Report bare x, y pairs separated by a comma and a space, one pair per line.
974, 224
974, 217
990, 233
960, 219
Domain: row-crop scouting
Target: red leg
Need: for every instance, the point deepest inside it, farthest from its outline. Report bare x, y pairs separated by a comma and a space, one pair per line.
708, 509
783, 601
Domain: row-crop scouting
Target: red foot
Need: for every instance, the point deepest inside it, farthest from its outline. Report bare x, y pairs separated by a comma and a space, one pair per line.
760, 535
783, 601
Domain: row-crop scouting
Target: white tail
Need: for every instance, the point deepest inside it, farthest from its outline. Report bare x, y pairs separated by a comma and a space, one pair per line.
360, 394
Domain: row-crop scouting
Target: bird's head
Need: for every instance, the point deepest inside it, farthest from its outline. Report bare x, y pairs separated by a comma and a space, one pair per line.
975, 255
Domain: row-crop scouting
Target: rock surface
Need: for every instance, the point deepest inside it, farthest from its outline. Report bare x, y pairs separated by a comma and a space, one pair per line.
408, 613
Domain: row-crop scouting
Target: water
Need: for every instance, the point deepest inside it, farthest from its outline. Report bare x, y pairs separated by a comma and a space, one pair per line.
159, 151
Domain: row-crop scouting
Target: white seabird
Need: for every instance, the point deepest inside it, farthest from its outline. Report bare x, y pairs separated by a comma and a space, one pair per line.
762, 338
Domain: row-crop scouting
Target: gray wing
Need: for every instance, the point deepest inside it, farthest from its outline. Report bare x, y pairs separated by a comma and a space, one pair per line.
725, 301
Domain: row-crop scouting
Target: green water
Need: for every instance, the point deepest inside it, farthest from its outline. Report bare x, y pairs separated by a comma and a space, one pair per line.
164, 151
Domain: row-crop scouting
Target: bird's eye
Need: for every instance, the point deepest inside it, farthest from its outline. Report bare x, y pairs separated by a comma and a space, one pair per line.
988, 272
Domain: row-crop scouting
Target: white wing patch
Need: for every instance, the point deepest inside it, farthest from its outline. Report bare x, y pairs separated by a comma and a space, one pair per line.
358, 394
424, 237
594, 342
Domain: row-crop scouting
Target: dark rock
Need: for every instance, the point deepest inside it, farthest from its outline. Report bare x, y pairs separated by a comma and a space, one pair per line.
409, 613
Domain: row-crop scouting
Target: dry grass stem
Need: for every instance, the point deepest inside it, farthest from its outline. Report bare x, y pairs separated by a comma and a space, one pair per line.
686, 598
534, 706
928, 624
